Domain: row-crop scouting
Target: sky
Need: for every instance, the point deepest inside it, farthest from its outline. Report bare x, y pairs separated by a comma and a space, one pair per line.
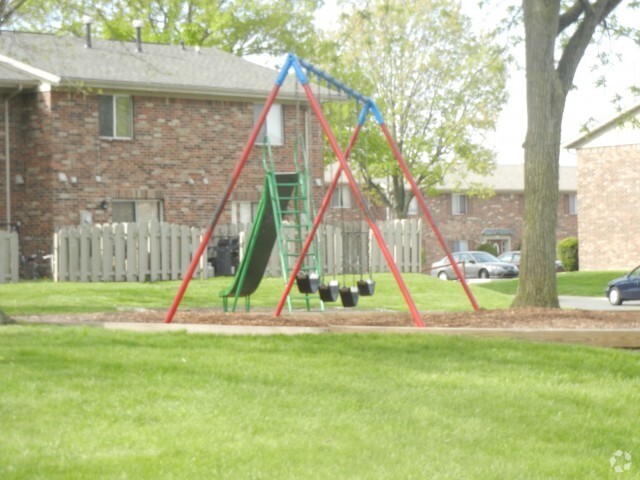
585, 102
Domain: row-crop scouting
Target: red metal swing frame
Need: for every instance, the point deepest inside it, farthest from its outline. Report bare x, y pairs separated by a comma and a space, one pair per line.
302, 69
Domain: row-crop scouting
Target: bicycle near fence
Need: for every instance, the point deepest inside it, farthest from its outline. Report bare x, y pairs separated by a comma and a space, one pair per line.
36, 266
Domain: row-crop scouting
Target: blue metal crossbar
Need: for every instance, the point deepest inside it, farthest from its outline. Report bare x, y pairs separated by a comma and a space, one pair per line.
298, 65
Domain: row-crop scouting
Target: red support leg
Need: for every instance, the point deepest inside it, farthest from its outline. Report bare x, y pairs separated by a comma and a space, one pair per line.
363, 206
427, 213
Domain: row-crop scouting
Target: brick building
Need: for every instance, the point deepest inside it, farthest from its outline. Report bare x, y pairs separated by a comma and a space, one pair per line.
108, 131
608, 181
468, 220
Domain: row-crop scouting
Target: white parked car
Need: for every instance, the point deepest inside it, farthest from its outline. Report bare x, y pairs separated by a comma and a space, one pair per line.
474, 265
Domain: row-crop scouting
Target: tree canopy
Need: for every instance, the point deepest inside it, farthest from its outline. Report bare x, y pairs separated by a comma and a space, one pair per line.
438, 84
242, 27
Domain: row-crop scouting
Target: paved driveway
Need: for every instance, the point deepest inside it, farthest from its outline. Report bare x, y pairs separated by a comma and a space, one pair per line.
596, 303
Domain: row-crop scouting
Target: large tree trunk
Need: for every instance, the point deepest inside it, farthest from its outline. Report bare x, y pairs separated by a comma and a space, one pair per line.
545, 107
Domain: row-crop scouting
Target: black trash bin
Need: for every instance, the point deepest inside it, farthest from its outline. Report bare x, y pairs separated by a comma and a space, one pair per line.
223, 258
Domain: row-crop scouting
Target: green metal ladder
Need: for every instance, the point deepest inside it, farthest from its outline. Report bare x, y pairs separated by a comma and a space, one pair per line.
294, 224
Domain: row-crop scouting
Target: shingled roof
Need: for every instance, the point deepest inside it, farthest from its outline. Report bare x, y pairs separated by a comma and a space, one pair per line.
31, 58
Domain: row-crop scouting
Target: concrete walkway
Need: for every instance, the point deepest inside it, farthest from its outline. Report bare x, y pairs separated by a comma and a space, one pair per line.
597, 303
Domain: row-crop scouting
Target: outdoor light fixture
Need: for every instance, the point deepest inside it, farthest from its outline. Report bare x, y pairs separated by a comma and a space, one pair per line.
62, 177
205, 180
191, 181
73, 180
98, 179
19, 180
104, 204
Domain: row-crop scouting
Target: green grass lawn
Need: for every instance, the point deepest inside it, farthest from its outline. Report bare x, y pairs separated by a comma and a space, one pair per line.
583, 284
47, 297
85, 403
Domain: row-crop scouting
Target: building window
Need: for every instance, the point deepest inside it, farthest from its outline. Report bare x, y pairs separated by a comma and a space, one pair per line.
573, 204
128, 211
460, 246
243, 212
413, 207
115, 116
458, 204
341, 197
273, 126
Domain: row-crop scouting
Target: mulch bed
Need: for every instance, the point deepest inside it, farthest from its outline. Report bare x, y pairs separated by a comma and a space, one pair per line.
536, 318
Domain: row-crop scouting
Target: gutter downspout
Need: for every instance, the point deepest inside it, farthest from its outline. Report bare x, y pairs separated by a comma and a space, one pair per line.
7, 159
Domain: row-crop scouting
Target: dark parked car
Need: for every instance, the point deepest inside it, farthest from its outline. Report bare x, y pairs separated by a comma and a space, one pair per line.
474, 265
624, 288
514, 257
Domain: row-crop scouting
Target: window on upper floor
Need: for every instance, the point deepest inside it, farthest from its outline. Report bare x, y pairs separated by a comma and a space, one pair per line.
127, 211
273, 127
573, 204
115, 114
458, 204
341, 197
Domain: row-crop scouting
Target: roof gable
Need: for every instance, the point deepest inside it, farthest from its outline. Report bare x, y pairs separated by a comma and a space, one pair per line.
505, 178
115, 64
612, 132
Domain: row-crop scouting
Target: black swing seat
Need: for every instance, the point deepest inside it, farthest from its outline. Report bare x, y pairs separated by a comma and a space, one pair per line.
349, 296
329, 292
308, 283
366, 287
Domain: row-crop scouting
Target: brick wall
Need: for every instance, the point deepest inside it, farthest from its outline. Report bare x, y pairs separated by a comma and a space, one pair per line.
609, 185
175, 139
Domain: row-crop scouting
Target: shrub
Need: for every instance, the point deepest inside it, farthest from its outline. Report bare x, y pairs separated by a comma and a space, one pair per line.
489, 248
568, 253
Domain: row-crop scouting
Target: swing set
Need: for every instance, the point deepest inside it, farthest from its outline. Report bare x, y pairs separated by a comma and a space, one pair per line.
329, 291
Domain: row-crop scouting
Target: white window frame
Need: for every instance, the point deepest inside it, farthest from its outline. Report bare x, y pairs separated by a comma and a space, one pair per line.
459, 204
572, 200
413, 206
243, 211
117, 119
273, 126
460, 246
341, 197
136, 209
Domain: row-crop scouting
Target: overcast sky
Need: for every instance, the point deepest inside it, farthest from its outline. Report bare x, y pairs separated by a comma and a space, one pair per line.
585, 102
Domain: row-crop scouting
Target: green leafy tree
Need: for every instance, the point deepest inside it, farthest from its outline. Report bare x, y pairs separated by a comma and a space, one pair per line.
439, 86
9, 9
242, 27
557, 34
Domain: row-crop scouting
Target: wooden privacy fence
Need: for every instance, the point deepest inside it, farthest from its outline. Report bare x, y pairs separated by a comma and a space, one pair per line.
351, 248
160, 251
132, 252
9, 257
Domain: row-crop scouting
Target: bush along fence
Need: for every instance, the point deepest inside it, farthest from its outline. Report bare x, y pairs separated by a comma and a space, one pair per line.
138, 252
9, 257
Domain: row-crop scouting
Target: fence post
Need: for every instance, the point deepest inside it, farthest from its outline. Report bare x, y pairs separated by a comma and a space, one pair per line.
9, 257
132, 252
143, 251
165, 249
120, 252
85, 253
154, 250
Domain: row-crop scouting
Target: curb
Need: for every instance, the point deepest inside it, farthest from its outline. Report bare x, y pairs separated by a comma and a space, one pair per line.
200, 328
616, 338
